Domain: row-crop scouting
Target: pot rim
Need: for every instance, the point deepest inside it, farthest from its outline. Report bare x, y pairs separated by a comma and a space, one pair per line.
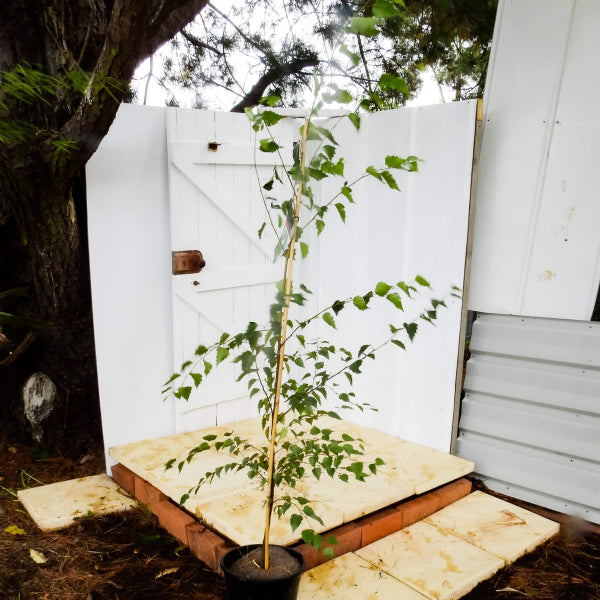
243, 550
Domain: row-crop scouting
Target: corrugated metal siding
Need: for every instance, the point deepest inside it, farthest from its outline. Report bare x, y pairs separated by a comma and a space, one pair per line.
536, 248
530, 419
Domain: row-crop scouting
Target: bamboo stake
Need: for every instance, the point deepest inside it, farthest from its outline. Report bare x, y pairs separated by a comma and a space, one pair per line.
289, 265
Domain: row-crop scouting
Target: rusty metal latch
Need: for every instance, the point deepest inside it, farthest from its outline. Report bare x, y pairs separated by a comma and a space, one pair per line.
187, 261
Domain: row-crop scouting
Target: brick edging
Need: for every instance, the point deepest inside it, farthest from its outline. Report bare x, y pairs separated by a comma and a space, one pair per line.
209, 547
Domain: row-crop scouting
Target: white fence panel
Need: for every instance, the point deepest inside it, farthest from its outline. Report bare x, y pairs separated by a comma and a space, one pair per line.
130, 267
536, 247
393, 236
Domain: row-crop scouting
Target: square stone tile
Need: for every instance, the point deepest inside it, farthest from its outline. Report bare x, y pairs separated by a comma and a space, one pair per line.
436, 564
350, 577
58, 505
424, 467
494, 525
372, 439
356, 498
241, 516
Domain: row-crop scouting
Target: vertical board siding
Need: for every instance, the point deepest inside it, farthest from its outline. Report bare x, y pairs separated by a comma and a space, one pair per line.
530, 418
390, 236
536, 250
130, 267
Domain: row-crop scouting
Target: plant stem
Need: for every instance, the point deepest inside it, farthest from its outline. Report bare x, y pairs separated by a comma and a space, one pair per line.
289, 265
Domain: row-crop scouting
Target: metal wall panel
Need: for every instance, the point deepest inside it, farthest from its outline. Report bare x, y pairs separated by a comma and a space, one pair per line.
536, 248
530, 418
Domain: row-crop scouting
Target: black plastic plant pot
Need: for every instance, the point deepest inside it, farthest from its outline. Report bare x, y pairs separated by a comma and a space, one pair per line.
240, 587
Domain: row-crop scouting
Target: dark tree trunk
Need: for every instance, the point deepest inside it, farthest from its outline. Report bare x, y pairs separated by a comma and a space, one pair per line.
103, 40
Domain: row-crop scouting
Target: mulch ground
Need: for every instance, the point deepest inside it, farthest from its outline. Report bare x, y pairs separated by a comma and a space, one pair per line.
128, 556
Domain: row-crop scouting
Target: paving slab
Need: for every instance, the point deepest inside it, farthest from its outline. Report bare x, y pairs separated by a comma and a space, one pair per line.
241, 516
500, 528
425, 468
350, 577
59, 505
438, 565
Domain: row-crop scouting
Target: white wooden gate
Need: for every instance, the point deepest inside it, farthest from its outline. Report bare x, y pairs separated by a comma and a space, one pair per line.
217, 208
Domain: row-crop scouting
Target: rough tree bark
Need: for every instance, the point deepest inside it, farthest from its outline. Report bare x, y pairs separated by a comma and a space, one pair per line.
101, 39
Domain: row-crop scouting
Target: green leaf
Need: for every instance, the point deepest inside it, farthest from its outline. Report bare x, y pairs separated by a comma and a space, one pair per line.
347, 192
268, 145
373, 172
364, 26
328, 318
308, 536
197, 377
355, 366
309, 512
422, 281
389, 179
304, 249
200, 350
207, 367
270, 100
295, 521
341, 210
260, 231
320, 226
328, 552
384, 8
343, 96
411, 330
222, 354
183, 392
359, 302
353, 56
169, 463
355, 119
270, 117
391, 82
382, 288
394, 162
399, 344
395, 299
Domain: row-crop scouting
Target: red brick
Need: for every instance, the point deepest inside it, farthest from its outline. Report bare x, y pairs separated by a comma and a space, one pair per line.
173, 519
379, 525
146, 493
348, 537
427, 504
207, 545
417, 509
124, 478
452, 492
